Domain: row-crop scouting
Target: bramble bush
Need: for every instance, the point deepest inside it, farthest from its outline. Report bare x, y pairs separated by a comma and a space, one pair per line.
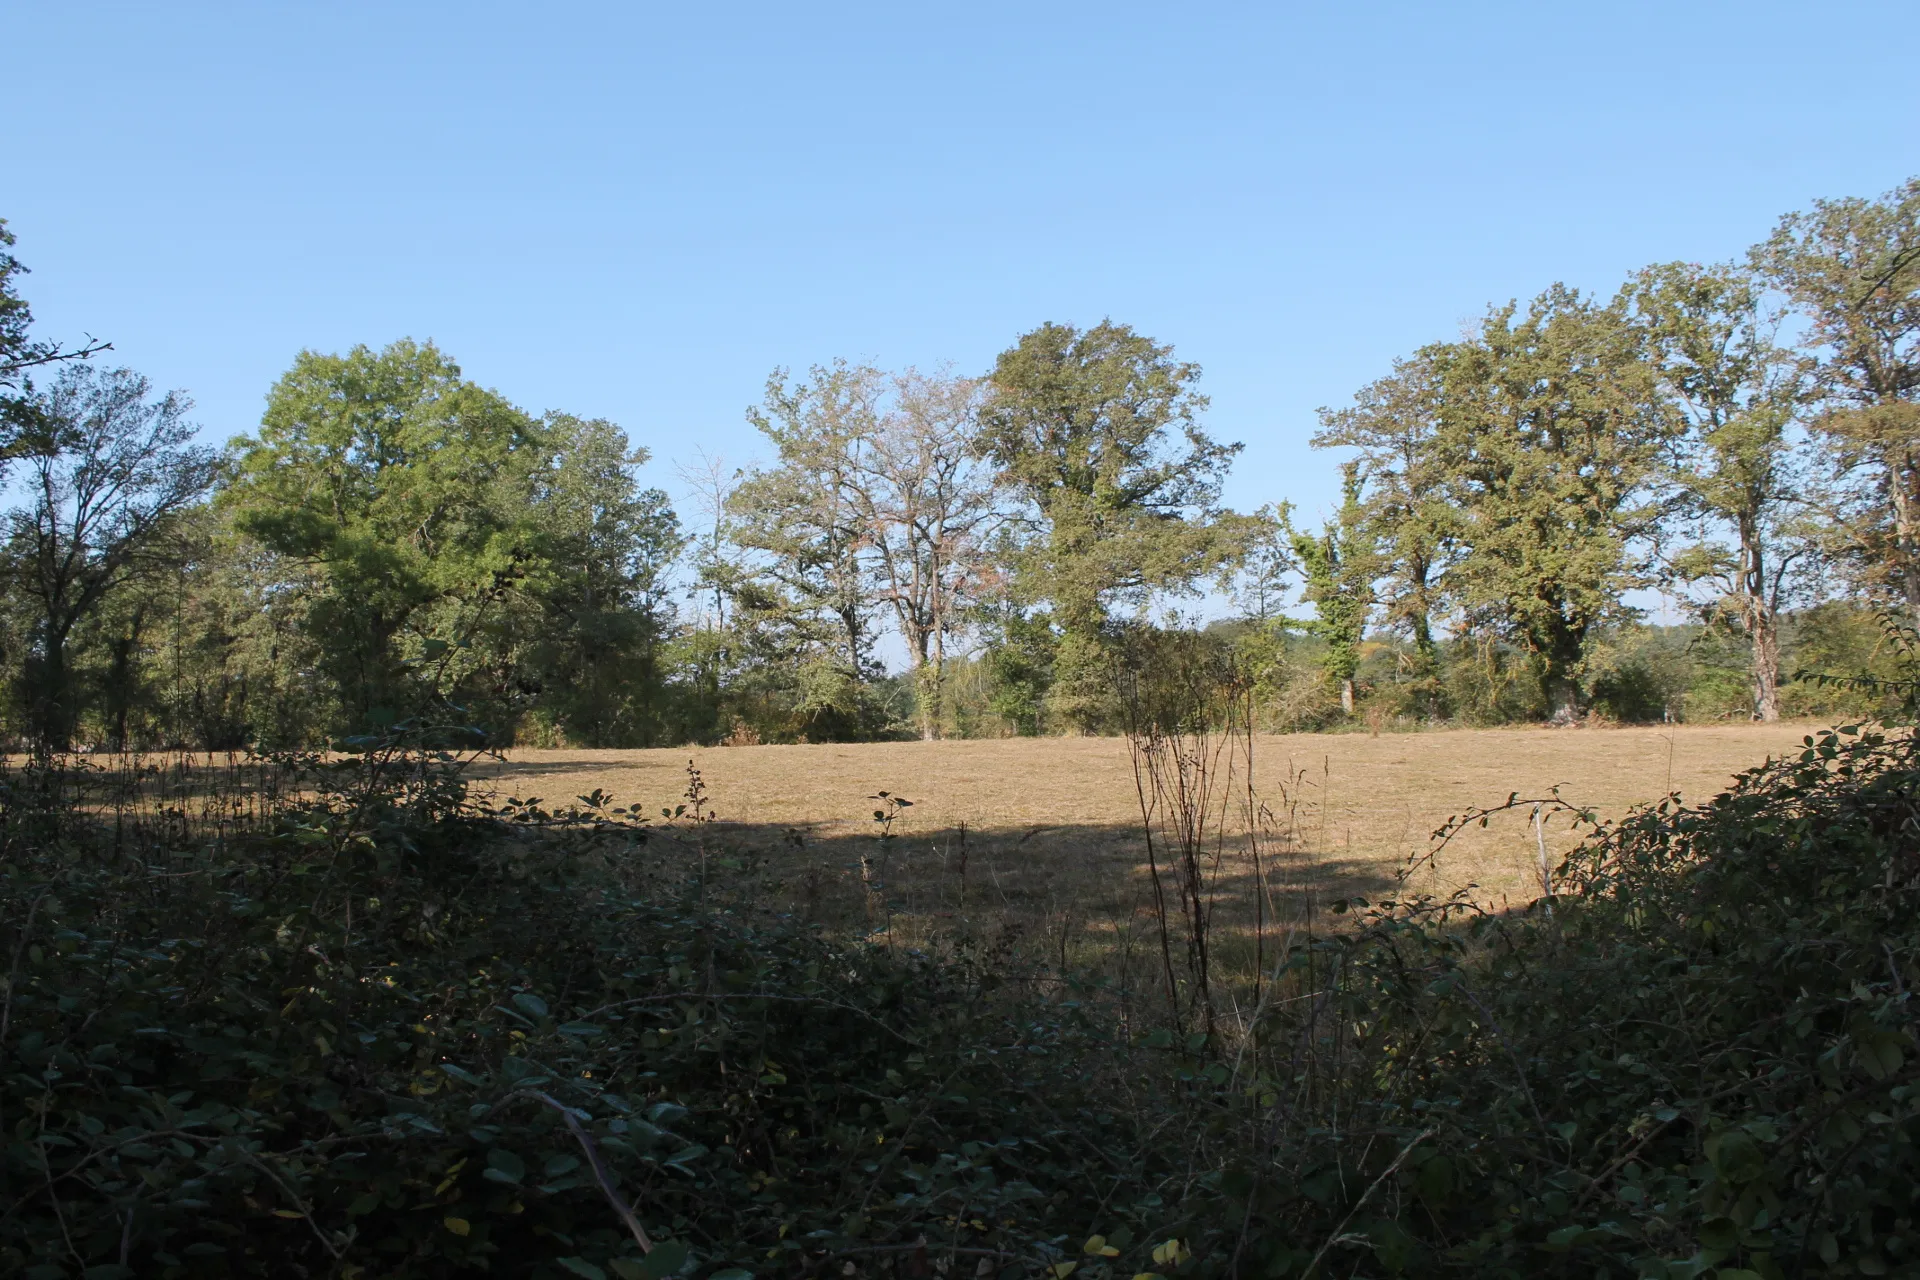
381, 1029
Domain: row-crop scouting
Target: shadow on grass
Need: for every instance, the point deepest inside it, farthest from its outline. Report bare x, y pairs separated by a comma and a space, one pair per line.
1097, 874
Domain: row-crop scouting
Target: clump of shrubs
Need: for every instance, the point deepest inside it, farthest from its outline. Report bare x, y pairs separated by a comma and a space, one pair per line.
385, 1030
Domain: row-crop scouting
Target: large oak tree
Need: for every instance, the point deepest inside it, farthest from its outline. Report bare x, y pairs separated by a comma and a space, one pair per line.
1099, 431
1552, 428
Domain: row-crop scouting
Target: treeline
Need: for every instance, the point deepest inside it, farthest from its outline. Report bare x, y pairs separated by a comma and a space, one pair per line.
395, 539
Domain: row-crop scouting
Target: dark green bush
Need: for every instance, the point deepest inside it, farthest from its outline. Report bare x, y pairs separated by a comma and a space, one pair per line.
393, 1035
383, 1032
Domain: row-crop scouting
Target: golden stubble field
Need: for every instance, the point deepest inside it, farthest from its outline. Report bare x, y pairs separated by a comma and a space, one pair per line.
1047, 831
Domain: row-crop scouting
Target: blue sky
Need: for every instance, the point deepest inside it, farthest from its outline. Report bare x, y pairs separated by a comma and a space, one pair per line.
635, 212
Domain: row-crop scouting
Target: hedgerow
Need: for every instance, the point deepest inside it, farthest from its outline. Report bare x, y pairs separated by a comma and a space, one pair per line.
385, 1030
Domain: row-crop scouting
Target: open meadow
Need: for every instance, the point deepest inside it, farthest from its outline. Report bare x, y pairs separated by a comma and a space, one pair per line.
1046, 834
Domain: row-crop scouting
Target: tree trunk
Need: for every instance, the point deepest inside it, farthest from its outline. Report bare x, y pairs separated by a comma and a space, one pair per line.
925, 695
1902, 473
1424, 649
53, 708
1766, 668
936, 687
1346, 696
1763, 633
1560, 651
1563, 695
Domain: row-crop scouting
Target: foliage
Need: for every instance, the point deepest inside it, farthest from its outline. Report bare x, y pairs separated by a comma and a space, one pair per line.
1098, 430
111, 478
395, 537
1735, 465
1551, 425
1852, 266
22, 424
804, 520
594, 591
1393, 425
1643, 674
1340, 566
408, 487
335, 1018
388, 1032
878, 503
457, 549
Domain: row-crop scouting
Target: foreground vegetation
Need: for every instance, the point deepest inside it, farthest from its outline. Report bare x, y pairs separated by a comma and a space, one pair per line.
321, 1017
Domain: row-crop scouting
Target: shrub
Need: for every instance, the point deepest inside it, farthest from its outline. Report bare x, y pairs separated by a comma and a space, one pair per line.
340, 1020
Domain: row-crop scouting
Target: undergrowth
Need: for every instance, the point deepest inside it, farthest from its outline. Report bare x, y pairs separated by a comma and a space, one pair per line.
377, 1028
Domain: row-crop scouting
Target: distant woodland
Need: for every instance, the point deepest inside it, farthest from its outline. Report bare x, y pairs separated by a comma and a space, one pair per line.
945, 554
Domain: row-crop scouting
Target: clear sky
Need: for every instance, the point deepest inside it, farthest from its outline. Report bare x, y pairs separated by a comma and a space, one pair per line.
637, 211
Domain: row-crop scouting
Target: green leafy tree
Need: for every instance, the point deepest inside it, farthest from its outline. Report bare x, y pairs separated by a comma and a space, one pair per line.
231, 662
1098, 431
1553, 427
804, 597
1394, 427
1852, 267
109, 481
1019, 660
1260, 584
1339, 565
21, 354
1734, 467
595, 585
801, 515
409, 489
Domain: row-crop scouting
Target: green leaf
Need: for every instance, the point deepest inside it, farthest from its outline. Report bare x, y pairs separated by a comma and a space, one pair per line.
505, 1166
667, 1114
1736, 1156
1392, 1244
667, 1258
1562, 1238
681, 1159
531, 1004
1720, 1234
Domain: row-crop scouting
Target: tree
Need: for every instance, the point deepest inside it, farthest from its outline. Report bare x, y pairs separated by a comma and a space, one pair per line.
928, 507
410, 490
109, 478
1738, 391
1394, 427
876, 500
801, 514
1339, 565
1098, 431
1853, 268
596, 584
1260, 584
20, 354
804, 597
1552, 427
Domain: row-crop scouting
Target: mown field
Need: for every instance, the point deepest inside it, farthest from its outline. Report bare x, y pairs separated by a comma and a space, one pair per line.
1048, 830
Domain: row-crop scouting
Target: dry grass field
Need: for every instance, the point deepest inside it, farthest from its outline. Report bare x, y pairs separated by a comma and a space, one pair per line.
1044, 834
